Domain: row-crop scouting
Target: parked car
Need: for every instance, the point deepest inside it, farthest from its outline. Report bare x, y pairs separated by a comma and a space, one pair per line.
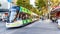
4, 14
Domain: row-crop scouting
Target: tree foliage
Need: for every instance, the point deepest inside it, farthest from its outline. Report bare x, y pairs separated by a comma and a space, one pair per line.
26, 5
41, 3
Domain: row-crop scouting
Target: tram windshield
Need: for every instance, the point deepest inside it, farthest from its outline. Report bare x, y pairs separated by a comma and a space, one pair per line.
13, 12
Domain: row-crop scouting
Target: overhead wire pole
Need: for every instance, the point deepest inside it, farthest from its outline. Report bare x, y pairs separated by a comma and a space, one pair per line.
49, 7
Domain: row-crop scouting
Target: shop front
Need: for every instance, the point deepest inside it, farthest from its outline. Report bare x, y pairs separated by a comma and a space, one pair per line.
55, 13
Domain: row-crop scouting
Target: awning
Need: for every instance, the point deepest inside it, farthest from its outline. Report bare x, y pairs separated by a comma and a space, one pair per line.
56, 8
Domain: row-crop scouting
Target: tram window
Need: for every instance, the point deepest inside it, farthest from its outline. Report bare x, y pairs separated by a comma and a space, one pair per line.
22, 16
16, 16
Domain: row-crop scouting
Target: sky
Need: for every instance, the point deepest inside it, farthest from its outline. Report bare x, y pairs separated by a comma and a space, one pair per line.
32, 2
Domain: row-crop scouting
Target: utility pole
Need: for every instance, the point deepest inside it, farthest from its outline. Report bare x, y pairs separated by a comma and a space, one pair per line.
49, 7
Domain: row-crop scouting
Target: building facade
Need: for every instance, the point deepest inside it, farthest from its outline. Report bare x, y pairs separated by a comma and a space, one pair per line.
4, 4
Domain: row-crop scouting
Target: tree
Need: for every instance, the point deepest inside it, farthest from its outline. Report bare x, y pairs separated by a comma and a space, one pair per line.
28, 6
24, 4
40, 4
19, 2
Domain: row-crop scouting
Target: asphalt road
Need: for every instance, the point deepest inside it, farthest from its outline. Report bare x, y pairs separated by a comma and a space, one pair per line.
2, 28
39, 27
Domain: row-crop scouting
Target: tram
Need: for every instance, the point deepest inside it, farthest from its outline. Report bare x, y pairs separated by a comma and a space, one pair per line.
20, 16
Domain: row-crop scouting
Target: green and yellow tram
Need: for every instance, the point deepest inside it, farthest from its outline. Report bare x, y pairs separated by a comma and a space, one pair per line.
20, 16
